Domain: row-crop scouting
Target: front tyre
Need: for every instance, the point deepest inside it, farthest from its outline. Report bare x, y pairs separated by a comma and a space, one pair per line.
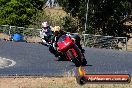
74, 60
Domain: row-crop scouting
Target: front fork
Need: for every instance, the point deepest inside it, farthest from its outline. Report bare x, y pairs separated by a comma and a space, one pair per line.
76, 52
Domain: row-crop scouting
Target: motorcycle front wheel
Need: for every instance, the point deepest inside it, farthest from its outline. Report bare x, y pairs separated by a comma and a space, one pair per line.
74, 59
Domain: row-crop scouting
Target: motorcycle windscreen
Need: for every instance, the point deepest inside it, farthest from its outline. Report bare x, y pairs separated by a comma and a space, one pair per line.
64, 42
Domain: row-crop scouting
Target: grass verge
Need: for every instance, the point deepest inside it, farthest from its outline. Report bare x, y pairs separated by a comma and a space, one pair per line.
52, 82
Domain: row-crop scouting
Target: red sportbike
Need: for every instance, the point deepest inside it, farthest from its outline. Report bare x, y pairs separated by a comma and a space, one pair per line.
70, 50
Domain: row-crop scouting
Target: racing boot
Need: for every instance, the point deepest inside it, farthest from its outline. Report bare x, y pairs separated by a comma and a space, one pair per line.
82, 50
59, 58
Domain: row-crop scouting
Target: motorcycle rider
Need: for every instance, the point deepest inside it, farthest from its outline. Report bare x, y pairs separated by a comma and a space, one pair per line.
46, 33
58, 32
46, 37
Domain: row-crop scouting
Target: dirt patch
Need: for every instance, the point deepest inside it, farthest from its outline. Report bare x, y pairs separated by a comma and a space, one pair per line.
55, 12
44, 82
53, 82
4, 36
34, 39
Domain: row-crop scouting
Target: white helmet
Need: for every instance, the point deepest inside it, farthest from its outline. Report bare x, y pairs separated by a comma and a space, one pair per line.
45, 24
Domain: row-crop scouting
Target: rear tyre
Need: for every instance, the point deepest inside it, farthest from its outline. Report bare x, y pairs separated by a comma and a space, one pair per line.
84, 63
74, 60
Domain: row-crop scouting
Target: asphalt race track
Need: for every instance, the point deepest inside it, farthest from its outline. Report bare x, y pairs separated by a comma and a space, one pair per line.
35, 59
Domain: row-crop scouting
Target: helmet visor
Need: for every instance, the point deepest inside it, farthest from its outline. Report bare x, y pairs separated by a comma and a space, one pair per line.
45, 28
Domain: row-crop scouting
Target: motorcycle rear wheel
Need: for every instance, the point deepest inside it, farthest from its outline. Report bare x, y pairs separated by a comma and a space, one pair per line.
84, 62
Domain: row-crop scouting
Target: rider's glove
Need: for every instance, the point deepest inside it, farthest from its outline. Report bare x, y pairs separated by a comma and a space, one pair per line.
48, 44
